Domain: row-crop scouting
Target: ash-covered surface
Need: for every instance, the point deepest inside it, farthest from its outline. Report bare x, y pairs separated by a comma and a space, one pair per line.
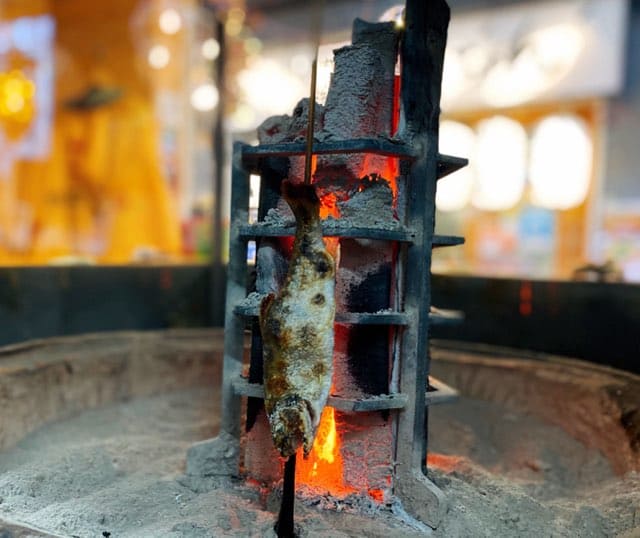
510, 474
370, 206
119, 470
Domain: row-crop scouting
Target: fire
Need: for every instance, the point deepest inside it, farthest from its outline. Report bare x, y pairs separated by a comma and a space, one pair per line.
329, 206
389, 172
444, 462
390, 169
322, 470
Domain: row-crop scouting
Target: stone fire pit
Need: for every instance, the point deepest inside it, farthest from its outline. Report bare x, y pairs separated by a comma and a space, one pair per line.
94, 432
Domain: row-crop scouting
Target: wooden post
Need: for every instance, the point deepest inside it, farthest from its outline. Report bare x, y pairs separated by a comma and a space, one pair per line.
422, 57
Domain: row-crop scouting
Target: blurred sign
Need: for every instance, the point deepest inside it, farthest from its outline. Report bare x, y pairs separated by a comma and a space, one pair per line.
540, 51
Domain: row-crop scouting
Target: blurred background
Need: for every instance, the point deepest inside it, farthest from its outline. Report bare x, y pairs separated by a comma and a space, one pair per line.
117, 119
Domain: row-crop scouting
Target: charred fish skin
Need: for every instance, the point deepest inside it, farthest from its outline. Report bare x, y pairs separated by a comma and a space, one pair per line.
297, 331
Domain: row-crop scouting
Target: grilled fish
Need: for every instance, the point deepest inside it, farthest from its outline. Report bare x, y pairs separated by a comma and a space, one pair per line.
297, 331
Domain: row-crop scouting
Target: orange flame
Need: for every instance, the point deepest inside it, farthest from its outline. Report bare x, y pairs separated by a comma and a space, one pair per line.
322, 470
329, 206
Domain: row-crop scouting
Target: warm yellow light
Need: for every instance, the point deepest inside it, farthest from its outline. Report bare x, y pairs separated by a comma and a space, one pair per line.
546, 56
14, 102
252, 45
510, 83
557, 47
236, 14
561, 162
205, 97
17, 94
210, 49
395, 14
235, 22
233, 28
500, 160
159, 57
270, 88
170, 21
242, 119
475, 60
454, 191
300, 64
453, 75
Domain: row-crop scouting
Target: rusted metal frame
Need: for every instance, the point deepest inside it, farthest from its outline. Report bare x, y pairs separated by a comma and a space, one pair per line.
343, 318
441, 316
448, 164
422, 56
370, 403
251, 231
437, 316
439, 393
375, 146
261, 229
446, 241
236, 291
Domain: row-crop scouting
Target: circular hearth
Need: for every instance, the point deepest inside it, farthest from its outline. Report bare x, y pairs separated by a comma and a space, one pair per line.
95, 431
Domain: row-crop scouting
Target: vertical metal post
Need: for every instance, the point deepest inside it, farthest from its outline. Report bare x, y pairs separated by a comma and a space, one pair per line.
236, 292
422, 56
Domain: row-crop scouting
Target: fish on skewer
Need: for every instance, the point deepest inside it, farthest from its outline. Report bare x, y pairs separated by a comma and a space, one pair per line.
297, 331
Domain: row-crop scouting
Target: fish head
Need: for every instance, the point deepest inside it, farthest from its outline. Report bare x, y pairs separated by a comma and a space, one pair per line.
292, 425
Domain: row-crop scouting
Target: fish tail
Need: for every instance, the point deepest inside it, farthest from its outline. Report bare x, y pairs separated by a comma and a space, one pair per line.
303, 200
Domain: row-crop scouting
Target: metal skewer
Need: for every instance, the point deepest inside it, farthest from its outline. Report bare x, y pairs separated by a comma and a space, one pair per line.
308, 157
316, 21
284, 526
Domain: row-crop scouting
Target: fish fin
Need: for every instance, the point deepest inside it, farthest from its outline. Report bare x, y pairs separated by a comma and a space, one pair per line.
303, 201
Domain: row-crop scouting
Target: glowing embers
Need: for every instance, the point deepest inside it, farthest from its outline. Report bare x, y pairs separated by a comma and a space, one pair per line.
323, 469
386, 170
329, 206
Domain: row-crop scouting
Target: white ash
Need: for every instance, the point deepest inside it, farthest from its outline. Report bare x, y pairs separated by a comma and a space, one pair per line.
252, 301
275, 218
119, 470
360, 97
285, 128
369, 206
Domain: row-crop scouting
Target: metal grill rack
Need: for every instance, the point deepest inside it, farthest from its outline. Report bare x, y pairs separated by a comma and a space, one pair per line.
421, 165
